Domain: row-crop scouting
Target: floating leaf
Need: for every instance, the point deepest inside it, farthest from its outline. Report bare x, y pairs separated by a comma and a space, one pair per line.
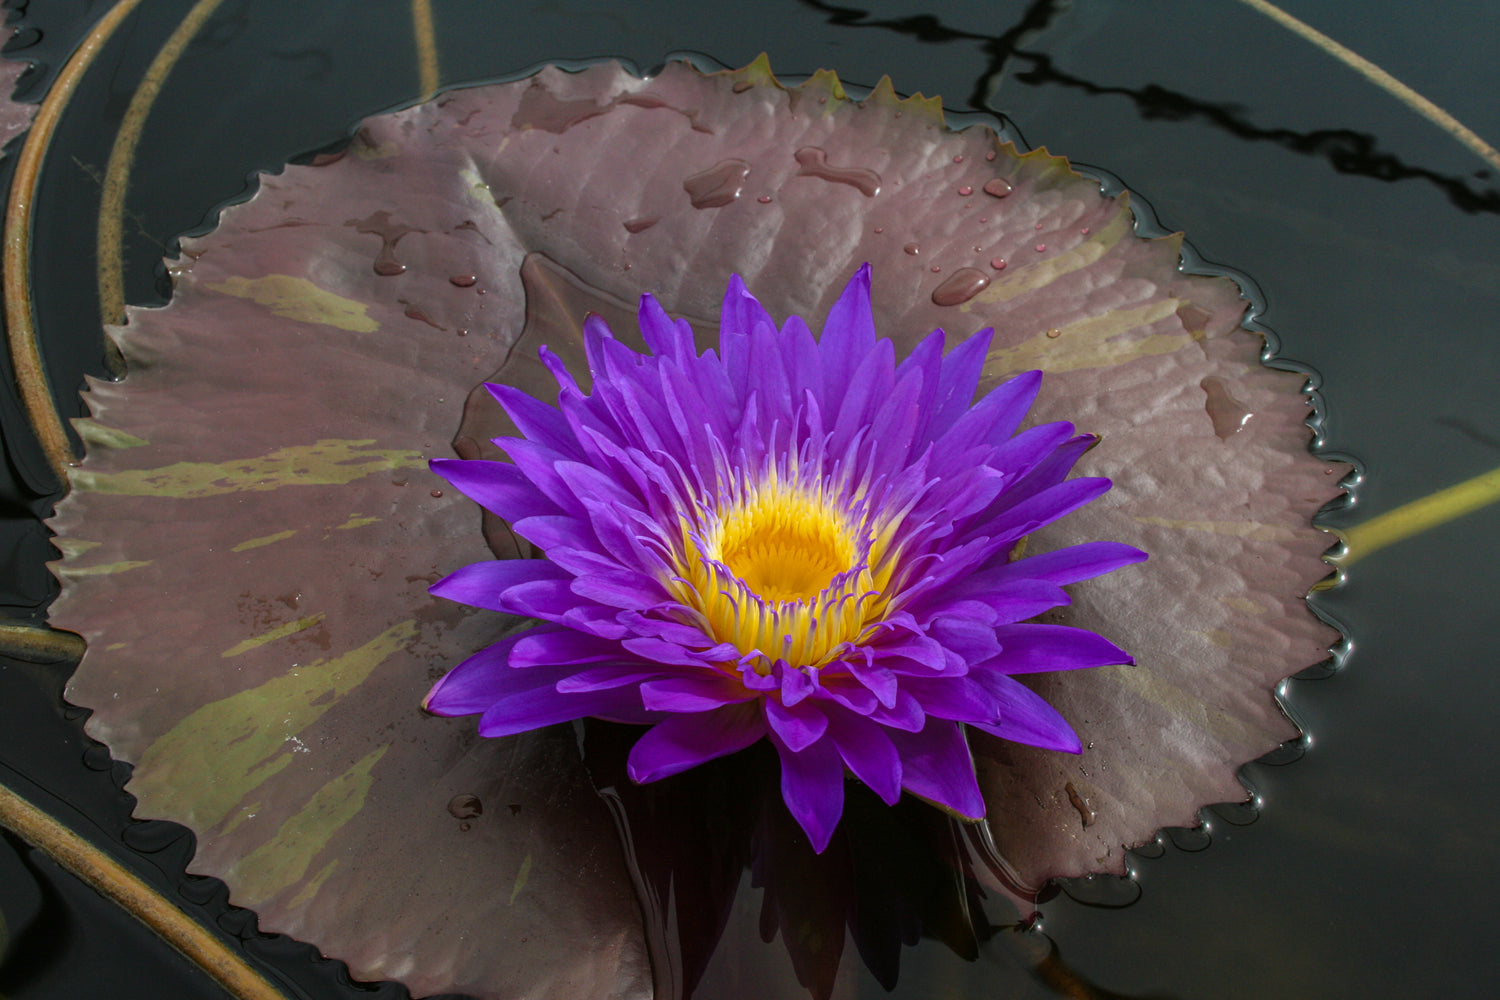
251, 571
14, 118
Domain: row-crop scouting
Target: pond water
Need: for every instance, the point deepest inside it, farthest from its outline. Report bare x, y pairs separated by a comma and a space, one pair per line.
1369, 232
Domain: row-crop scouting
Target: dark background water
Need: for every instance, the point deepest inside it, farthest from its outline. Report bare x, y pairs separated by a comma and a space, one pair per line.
1373, 237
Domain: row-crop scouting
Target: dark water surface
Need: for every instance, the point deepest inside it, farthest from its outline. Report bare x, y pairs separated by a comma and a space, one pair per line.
1373, 237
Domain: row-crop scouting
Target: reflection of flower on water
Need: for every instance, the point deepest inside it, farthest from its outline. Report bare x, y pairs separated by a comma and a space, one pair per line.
888, 878
795, 538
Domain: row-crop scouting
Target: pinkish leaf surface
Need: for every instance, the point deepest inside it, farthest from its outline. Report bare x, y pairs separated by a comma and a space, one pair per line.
14, 118
251, 536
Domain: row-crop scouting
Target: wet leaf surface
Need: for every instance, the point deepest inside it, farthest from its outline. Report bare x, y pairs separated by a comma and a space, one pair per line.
250, 539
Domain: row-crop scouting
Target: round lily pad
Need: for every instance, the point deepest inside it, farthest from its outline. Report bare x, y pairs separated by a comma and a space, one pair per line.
251, 536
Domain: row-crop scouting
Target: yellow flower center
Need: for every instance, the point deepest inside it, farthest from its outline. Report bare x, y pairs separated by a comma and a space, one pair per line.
785, 546
783, 570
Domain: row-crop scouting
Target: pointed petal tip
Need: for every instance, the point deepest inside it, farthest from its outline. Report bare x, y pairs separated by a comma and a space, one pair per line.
1068, 740
860, 282
736, 289
819, 836
964, 816
644, 776
432, 701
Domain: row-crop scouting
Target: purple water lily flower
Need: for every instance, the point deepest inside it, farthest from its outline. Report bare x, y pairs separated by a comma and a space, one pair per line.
795, 538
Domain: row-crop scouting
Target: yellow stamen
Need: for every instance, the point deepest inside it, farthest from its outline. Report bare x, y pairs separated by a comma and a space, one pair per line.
786, 546
785, 570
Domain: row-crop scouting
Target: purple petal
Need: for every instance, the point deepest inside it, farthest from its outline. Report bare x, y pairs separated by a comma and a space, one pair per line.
796, 685
878, 679
866, 391
739, 315
867, 748
1029, 449
674, 632
544, 705
967, 487
687, 412
972, 641
906, 715
959, 699
1051, 471
619, 589
582, 562
937, 767
596, 333
693, 694
958, 381
1077, 562
851, 694
498, 487
768, 370
848, 333
636, 418
555, 647
1029, 649
741, 312
663, 651
683, 741
925, 362
1047, 506
1026, 717
592, 619
483, 584
994, 599
536, 462
479, 681
567, 386
995, 417
894, 427
611, 676
549, 600
665, 338
917, 651
550, 532
535, 420
806, 364
797, 726
591, 484
647, 422
812, 783
619, 533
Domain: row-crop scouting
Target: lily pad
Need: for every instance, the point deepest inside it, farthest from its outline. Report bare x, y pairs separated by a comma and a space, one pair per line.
250, 538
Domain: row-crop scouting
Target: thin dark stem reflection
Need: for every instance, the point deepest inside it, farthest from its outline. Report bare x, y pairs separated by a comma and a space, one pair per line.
1346, 150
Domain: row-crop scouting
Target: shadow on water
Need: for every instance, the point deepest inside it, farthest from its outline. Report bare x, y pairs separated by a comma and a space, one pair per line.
719, 865
1346, 150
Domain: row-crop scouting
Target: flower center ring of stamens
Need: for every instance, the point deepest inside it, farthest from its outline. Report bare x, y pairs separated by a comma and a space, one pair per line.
785, 545
780, 570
